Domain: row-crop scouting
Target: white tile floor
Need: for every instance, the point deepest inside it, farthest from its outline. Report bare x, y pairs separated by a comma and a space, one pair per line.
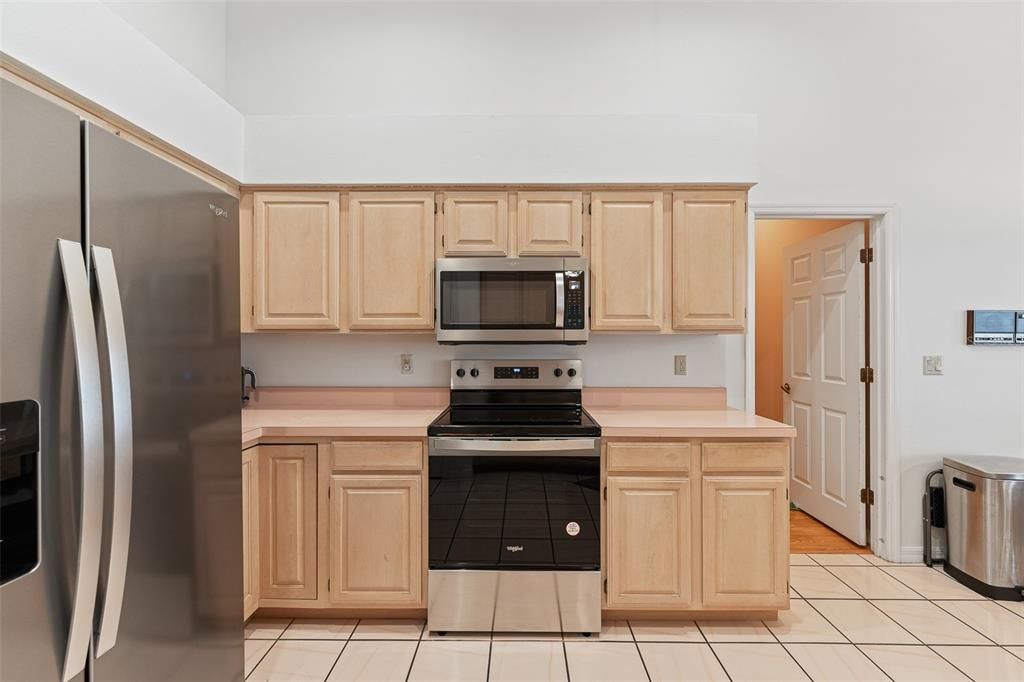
852, 618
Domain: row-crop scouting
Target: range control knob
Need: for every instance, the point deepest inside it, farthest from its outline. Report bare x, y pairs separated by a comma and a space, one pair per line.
558, 372
572, 372
460, 372
474, 372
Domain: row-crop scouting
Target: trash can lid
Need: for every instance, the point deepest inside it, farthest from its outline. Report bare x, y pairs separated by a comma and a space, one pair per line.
988, 466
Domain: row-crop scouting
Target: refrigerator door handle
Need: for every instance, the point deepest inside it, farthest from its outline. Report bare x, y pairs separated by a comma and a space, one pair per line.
90, 503
121, 418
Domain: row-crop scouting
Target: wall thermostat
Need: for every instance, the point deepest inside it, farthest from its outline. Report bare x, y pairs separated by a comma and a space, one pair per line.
995, 327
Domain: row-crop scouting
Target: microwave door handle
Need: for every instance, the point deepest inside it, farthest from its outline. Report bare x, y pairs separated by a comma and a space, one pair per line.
559, 300
121, 419
90, 415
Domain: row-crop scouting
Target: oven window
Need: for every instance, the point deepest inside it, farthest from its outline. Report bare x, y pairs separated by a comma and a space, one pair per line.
497, 300
515, 512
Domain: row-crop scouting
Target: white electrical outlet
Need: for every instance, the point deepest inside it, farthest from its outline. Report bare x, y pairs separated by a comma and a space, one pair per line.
681, 364
932, 365
406, 364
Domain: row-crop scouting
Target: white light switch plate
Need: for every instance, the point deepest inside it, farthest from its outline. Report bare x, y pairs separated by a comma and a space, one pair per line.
932, 365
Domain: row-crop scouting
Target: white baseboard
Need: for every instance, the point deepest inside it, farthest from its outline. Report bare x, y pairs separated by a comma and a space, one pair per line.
915, 554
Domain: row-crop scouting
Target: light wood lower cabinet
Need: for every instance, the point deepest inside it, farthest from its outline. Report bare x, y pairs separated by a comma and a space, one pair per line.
697, 526
746, 542
250, 531
288, 521
650, 542
375, 540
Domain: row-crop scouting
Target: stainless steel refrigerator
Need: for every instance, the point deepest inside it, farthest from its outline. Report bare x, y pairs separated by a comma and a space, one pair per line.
120, 522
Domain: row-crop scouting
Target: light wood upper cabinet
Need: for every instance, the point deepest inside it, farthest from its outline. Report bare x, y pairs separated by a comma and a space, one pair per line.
475, 224
709, 261
287, 510
549, 224
376, 540
746, 532
650, 542
626, 261
391, 264
250, 531
296, 250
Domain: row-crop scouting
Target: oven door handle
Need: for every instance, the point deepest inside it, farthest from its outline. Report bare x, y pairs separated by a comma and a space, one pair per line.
559, 300
579, 447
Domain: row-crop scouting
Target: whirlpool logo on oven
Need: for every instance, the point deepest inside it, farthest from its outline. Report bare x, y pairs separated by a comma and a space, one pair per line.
514, 548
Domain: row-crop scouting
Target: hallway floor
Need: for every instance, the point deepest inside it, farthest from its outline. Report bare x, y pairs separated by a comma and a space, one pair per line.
853, 617
809, 535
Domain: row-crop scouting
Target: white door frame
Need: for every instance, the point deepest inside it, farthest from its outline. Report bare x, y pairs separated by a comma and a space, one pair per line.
884, 318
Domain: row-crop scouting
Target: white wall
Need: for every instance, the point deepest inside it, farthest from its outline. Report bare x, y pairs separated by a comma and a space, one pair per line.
373, 360
90, 48
917, 105
192, 33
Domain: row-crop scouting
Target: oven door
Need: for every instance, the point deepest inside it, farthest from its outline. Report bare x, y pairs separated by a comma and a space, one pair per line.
514, 504
482, 300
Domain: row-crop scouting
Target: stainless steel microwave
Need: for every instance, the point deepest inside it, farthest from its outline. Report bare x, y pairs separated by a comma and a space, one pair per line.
512, 300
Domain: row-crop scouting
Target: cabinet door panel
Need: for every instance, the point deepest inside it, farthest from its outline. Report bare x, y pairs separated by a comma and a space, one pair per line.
391, 260
475, 224
746, 542
709, 261
626, 261
296, 245
376, 540
550, 223
650, 542
250, 531
287, 521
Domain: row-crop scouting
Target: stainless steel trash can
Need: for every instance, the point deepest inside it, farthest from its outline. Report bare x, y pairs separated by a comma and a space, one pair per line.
985, 524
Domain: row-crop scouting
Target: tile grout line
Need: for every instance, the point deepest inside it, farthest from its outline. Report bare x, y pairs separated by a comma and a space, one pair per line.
840, 579
955, 666
269, 649
565, 660
956, 617
788, 652
490, 654
345, 646
713, 652
638, 652
416, 651
865, 655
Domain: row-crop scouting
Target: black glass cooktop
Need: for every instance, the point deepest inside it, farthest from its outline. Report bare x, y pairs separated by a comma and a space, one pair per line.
514, 513
521, 414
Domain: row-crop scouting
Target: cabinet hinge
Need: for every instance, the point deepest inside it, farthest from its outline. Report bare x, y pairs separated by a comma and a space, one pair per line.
253, 311
590, 208
787, 493
435, 208
435, 315
867, 496
605, 586
442, 207
328, 584
867, 255
605, 492
328, 492
442, 240
867, 375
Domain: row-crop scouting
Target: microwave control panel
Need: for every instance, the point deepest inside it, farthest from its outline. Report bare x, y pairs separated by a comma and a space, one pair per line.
575, 300
995, 327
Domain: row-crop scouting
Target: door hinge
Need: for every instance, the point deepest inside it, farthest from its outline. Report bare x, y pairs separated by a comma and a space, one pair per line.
867, 375
867, 496
867, 255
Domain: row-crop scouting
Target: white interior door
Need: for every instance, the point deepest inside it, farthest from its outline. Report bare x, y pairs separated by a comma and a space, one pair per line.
823, 351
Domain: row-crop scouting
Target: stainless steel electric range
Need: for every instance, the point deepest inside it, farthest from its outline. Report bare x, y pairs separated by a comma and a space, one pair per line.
515, 504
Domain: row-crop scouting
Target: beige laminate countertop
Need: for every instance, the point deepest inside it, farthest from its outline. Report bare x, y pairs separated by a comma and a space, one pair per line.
410, 422
616, 422
343, 423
